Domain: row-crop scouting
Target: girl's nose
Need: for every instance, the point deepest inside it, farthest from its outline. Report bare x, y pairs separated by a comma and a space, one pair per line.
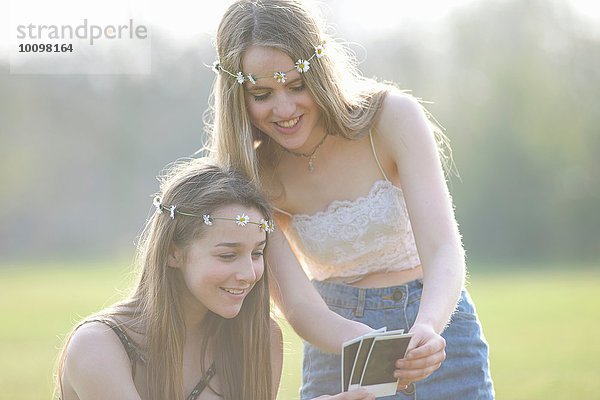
246, 272
285, 107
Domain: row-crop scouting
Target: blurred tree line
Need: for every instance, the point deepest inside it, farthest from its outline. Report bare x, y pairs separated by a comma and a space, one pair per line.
516, 84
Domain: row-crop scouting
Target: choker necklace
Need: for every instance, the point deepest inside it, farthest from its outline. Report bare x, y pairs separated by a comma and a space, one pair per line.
311, 156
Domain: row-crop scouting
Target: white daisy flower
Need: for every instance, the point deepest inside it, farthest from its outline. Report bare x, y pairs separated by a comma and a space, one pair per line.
216, 67
242, 220
240, 77
251, 79
267, 226
302, 66
279, 77
207, 220
172, 212
264, 224
320, 50
157, 201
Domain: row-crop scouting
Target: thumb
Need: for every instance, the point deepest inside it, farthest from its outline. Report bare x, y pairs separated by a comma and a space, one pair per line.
415, 341
419, 338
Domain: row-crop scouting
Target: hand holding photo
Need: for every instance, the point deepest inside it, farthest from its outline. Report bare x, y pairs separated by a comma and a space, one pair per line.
368, 361
350, 353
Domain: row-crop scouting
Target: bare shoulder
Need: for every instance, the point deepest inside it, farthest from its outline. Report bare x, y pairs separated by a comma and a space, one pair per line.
93, 341
402, 119
405, 133
96, 362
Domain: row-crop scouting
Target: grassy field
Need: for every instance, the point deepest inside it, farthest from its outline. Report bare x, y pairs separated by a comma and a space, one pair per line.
543, 328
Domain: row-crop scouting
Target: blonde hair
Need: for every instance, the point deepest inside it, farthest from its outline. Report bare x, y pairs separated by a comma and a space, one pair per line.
240, 345
348, 101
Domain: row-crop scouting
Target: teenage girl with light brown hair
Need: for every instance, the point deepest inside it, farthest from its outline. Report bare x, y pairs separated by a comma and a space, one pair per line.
197, 325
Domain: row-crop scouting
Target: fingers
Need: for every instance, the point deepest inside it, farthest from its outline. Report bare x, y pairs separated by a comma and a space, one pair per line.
422, 360
356, 394
405, 377
432, 352
420, 368
432, 346
422, 363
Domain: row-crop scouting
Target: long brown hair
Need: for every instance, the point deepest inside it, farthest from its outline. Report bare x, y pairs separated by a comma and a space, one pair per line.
240, 345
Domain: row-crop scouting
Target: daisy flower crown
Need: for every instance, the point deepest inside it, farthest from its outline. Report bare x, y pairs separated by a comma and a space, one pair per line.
302, 66
241, 219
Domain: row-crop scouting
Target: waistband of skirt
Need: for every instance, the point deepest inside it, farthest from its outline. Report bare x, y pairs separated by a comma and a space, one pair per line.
343, 295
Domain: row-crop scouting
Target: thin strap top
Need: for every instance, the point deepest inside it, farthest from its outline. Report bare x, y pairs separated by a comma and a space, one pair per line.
133, 352
376, 158
135, 355
350, 239
203, 383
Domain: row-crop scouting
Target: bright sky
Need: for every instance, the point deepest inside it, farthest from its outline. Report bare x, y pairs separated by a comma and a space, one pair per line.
380, 14
185, 19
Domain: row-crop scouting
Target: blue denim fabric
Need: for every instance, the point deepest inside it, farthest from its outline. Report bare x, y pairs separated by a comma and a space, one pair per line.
463, 375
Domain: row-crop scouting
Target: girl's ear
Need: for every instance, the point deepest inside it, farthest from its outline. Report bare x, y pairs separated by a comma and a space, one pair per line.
175, 257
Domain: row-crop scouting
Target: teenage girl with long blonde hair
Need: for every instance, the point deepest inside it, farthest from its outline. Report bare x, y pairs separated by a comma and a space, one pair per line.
354, 168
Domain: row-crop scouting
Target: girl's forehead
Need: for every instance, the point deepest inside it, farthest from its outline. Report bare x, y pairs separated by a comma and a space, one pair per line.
235, 210
259, 59
235, 223
229, 232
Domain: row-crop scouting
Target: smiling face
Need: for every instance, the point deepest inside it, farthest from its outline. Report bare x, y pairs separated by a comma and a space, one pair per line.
221, 268
284, 111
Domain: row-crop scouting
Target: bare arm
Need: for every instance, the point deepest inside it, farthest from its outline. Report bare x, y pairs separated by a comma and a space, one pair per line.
97, 366
300, 302
404, 129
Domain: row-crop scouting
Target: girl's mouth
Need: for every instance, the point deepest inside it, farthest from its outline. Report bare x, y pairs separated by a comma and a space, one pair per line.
233, 291
290, 123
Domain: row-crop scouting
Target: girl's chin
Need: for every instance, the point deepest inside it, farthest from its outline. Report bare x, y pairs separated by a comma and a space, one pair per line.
229, 314
292, 143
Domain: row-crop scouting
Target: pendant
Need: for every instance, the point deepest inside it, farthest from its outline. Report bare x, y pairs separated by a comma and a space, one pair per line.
311, 167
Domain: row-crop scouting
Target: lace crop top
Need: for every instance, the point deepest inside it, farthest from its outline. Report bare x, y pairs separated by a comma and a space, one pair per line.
351, 239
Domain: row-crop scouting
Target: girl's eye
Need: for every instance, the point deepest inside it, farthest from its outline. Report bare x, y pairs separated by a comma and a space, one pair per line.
298, 88
260, 97
257, 254
227, 257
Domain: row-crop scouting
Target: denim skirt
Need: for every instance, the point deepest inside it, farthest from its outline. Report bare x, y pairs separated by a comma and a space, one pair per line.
463, 375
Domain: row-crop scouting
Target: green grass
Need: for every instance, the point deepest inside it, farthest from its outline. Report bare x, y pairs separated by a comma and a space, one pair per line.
543, 328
